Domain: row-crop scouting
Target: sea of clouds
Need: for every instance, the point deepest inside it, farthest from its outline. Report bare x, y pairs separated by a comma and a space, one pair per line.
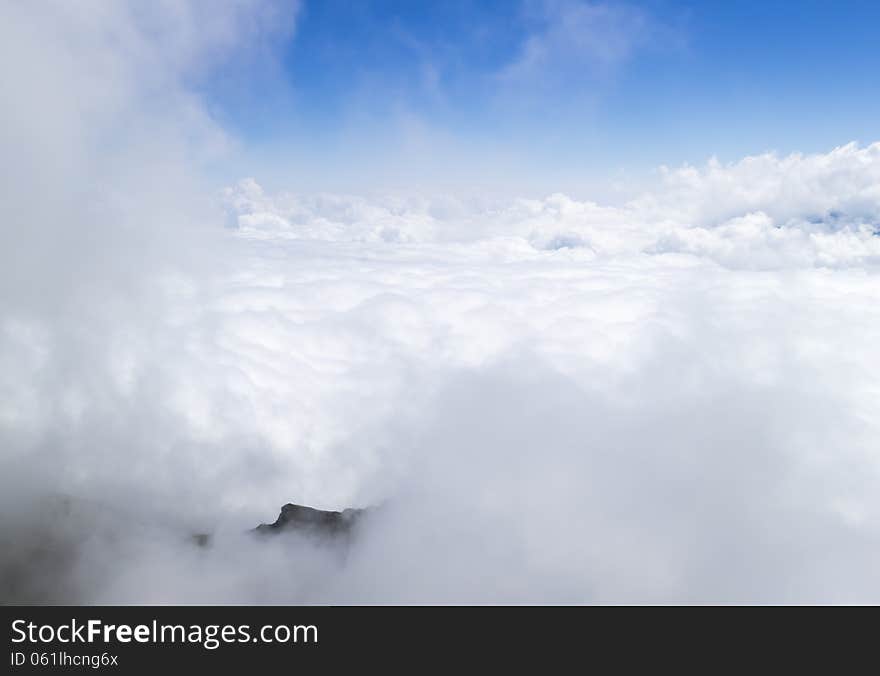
675, 399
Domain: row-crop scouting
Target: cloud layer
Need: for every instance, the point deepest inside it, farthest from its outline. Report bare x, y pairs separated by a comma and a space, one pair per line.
763, 212
555, 401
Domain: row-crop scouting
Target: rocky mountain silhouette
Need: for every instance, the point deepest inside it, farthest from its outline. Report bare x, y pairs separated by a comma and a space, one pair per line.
311, 521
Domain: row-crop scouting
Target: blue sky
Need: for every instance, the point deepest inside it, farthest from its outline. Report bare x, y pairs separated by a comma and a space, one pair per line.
552, 94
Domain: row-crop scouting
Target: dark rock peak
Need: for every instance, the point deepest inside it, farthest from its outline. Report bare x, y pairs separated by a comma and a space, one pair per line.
312, 521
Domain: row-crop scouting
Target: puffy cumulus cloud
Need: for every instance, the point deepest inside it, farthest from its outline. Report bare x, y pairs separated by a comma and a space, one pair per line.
549, 400
768, 211
836, 187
